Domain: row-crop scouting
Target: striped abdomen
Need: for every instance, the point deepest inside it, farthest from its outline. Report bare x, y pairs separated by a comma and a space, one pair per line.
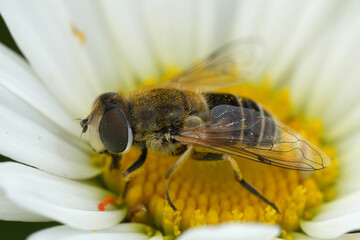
258, 127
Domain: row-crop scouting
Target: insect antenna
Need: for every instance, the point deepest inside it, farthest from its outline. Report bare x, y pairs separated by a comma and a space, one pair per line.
83, 124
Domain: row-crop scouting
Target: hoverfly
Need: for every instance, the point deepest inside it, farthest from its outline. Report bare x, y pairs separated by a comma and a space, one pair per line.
176, 120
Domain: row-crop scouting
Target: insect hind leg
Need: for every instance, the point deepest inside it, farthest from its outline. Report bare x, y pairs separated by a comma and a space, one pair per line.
245, 184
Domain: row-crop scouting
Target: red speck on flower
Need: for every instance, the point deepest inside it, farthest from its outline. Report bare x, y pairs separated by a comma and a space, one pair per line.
105, 202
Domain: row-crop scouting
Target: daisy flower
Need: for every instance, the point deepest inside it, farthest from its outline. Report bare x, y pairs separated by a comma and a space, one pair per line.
76, 50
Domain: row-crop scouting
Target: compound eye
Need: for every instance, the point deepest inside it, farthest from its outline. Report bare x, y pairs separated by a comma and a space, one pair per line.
114, 130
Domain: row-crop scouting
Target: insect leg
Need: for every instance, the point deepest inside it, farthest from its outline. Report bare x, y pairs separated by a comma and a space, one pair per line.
245, 184
139, 162
180, 161
136, 165
115, 162
123, 195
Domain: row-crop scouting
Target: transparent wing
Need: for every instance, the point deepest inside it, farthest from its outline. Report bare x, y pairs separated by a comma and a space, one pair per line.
233, 63
251, 135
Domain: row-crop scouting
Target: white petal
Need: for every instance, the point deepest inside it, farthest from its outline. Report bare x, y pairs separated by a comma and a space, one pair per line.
25, 141
349, 182
127, 29
343, 111
325, 62
207, 36
271, 21
297, 25
99, 47
182, 16
348, 153
248, 14
11, 212
70, 131
306, 72
346, 123
301, 236
157, 26
180, 31
335, 218
69, 202
48, 33
285, 27
343, 53
230, 231
125, 231
23, 92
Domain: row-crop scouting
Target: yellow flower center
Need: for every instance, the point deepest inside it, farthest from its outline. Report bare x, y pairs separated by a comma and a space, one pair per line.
207, 193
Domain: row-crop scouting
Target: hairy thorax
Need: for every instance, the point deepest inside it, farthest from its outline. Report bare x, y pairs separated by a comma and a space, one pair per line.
158, 114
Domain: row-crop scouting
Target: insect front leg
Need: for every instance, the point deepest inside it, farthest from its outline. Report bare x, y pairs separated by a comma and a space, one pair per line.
179, 162
245, 184
135, 166
115, 162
